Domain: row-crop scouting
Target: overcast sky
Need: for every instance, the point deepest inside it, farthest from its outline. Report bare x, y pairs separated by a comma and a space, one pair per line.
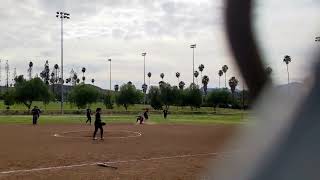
123, 29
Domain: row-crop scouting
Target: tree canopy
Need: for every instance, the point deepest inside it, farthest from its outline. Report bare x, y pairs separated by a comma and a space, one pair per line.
83, 95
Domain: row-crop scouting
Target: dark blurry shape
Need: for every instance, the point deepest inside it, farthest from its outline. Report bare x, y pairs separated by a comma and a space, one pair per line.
243, 45
287, 60
283, 143
317, 39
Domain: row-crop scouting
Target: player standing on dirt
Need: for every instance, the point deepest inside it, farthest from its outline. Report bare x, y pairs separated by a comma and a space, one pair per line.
88, 116
35, 115
98, 124
145, 115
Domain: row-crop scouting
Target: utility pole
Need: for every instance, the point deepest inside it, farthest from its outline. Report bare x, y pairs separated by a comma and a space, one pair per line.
110, 74
62, 15
144, 86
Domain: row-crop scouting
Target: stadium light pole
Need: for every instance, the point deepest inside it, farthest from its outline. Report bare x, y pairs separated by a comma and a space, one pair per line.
110, 73
62, 15
144, 67
193, 46
144, 76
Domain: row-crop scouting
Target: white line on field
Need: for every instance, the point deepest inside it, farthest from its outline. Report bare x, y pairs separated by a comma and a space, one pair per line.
109, 162
137, 134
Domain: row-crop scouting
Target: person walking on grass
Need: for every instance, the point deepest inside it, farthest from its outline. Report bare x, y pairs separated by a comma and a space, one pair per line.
165, 113
35, 115
88, 116
98, 124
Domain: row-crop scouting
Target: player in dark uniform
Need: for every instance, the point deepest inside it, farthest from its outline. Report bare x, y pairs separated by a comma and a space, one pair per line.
145, 115
35, 115
98, 124
165, 113
88, 116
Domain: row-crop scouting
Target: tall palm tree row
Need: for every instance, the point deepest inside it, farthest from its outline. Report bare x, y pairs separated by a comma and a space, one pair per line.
220, 73
181, 85
205, 82
30, 69
149, 76
196, 74
201, 68
178, 76
162, 76
225, 69
287, 60
233, 83
83, 71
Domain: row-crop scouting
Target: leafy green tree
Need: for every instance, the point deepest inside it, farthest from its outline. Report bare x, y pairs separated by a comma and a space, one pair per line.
33, 90
45, 74
83, 95
193, 96
154, 97
9, 98
128, 95
167, 95
218, 97
108, 100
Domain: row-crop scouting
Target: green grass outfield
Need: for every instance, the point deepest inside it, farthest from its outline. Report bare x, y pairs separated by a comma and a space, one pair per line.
236, 118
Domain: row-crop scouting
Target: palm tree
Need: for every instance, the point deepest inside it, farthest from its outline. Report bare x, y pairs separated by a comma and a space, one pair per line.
83, 71
196, 74
162, 76
30, 69
144, 88
149, 76
178, 76
225, 69
92, 81
220, 74
201, 68
56, 67
205, 81
268, 70
233, 83
181, 85
287, 60
116, 87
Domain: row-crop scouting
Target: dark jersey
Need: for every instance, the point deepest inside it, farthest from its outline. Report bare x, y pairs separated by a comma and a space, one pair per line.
145, 114
88, 112
35, 112
98, 119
